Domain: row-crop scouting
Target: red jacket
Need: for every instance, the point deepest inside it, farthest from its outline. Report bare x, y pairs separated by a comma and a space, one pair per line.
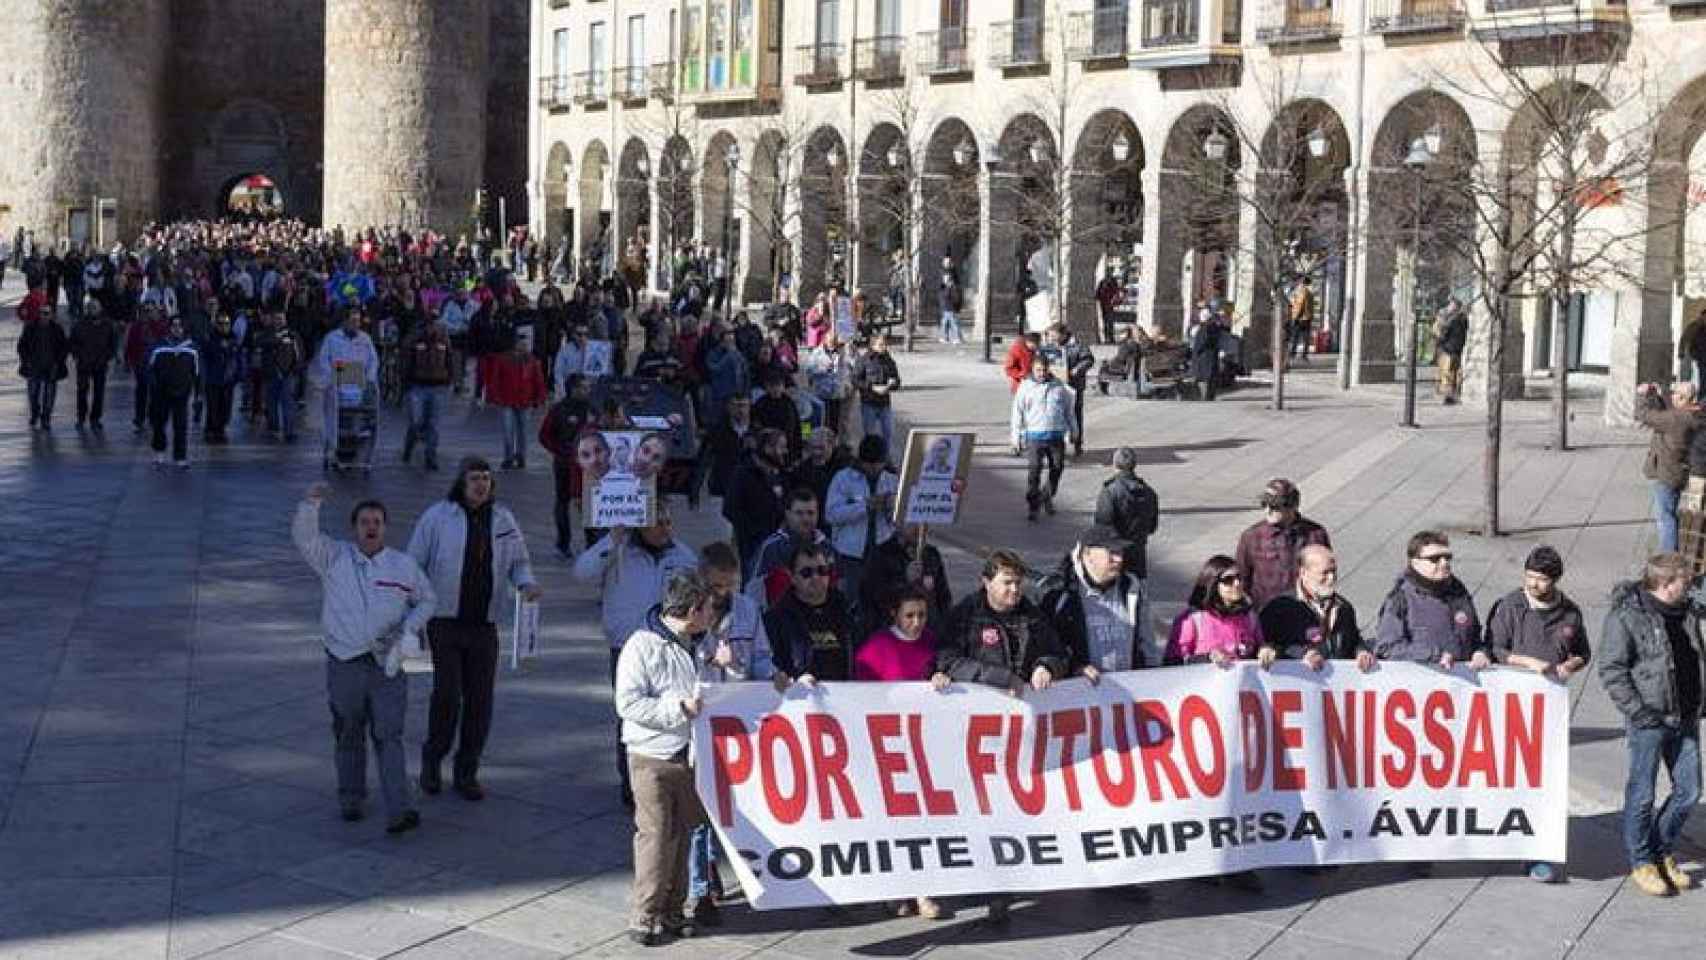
140, 339
1018, 365
515, 383
32, 308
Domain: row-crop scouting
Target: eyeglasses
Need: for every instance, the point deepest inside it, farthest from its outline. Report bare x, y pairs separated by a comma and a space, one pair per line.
1435, 558
807, 572
1232, 578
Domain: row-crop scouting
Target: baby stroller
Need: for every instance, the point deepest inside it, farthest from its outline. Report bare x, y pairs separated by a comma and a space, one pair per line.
358, 419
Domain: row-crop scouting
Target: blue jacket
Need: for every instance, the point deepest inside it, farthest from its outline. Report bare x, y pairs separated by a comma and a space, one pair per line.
223, 360
1418, 626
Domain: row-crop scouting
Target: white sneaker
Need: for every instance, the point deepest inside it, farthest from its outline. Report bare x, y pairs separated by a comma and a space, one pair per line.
159, 459
183, 464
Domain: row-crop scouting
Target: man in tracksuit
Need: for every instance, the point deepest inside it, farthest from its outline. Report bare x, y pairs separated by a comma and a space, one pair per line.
1042, 420
469, 546
631, 571
174, 369
374, 597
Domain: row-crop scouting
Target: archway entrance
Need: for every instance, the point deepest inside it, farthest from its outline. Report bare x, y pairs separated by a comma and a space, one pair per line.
250, 196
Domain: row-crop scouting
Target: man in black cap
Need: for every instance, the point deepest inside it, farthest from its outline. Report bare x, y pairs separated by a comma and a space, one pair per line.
1539, 628
1100, 611
1267, 550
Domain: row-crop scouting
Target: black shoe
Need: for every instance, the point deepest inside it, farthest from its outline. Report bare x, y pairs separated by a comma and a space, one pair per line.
706, 913
403, 822
431, 782
471, 790
432, 464
353, 813
999, 908
79, 424
1031, 515
681, 928
96, 426
1048, 505
644, 937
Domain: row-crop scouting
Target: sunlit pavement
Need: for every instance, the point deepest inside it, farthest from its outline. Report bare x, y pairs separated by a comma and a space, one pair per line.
166, 785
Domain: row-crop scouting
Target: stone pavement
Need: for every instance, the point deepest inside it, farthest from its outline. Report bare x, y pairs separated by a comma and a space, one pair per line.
166, 787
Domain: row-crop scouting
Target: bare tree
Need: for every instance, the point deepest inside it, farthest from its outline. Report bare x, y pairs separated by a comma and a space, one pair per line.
672, 124
1559, 209
768, 189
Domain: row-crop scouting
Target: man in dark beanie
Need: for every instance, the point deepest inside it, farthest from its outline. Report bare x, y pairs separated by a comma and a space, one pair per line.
1538, 628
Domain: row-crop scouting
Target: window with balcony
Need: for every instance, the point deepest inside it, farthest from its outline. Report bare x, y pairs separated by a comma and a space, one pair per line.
1298, 21
880, 56
947, 51
1019, 42
1170, 23
1098, 34
554, 92
1414, 16
820, 62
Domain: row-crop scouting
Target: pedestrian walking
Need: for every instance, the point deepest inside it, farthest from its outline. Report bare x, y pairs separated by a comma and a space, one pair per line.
1218, 624
140, 339
470, 546
348, 347
1536, 627
223, 363
426, 373
376, 601
1129, 505
1267, 549
799, 526
953, 301
809, 625
42, 351
657, 678
902, 562
1300, 318
1451, 335
1041, 421
94, 342
515, 384
1652, 663
1203, 339
285, 355
1666, 466
174, 370
756, 500
878, 378
631, 569
560, 433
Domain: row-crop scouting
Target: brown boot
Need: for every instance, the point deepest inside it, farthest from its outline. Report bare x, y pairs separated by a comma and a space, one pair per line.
1678, 877
1649, 881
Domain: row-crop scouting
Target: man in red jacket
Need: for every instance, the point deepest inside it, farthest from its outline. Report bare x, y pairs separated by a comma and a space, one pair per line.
516, 383
1019, 356
1268, 550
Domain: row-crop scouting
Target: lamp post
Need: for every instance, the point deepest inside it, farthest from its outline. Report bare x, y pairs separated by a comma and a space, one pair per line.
992, 164
1422, 151
732, 158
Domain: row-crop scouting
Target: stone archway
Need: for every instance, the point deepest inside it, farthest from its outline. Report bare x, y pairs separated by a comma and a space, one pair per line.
722, 213
954, 224
1393, 273
634, 199
595, 215
767, 205
676, 222
1027, 225
1196, 256
1674, 262
885, 203
246, 137
255, 194
1106, 223
824, 246
558, 164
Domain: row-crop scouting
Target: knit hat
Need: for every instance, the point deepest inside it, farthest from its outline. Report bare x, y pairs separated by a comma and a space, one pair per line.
1101, 535
872, 449
1125, 458
1545, 561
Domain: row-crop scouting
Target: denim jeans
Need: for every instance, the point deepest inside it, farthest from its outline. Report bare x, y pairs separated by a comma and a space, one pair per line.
951, 327
515, 433
701, 859
1040, 454
281, 405
425, 405
878, 421
42, 392
1649, 836
1664, 514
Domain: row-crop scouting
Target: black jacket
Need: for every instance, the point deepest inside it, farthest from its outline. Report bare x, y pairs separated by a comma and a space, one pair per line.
982, 646
814, 640
1062, 602
779, 413
1130, 505
1293, 628
1636, 666
728, 450
754, 506
1555, 635
885, 576
42, 349
873, 370
94, 339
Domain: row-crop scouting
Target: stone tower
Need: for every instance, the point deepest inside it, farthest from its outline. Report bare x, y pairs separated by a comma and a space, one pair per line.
80, 91
405, 127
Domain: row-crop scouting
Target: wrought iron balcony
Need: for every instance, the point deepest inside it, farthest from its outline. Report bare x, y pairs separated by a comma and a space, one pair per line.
1298, 21
554, 92
558, 4
1515, 20
1017, 43
662, 79
946, 52
877, 59
1098, 34
1170, 23
592, 88
820, 64
1416, 16
631, 83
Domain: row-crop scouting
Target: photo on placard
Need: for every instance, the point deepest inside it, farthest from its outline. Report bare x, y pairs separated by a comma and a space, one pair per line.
933, 477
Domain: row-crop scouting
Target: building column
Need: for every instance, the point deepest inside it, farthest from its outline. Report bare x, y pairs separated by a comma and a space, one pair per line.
1149, 273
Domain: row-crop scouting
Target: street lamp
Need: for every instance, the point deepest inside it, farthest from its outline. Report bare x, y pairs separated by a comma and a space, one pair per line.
732, 157
833, 158
1214, 145
1318, 143
1121, 148
643, 166
962, 153
1038, 152
896, 157
1423, 149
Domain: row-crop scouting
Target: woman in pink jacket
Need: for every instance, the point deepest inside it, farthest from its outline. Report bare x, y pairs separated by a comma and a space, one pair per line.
1219, 624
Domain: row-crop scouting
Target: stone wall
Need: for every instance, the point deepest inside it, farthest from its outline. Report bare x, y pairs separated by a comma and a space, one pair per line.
80, 88
506, 109
405, 118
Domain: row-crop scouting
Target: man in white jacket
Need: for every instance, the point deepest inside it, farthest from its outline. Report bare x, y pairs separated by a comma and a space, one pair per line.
860, 510
374, 597
470, 548
348, 345
657, 698
1042, 420
631, 571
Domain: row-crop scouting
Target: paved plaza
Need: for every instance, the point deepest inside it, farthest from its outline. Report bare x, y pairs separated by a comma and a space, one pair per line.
166, 785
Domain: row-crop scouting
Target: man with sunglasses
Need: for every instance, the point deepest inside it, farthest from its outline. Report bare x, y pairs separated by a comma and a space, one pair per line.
1429, 616
1268, 550
810, 628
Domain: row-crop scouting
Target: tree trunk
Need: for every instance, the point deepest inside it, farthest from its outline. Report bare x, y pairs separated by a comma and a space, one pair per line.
1277, 349
1495, 421
1560, 372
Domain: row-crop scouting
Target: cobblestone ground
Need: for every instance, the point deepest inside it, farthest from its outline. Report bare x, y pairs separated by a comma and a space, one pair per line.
166, 786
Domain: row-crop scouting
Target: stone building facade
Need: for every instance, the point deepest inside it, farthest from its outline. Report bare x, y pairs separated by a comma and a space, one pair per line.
162, 106
1069, 137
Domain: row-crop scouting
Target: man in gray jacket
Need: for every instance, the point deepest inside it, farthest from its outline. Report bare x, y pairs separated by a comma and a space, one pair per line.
1042, 420
374, 596
469, 547
1652, 664
657, 679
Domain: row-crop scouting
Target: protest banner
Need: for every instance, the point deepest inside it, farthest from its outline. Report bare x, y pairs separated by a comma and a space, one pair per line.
619, 472
597, 361
933, 477
859, 792
524, 638
845, 327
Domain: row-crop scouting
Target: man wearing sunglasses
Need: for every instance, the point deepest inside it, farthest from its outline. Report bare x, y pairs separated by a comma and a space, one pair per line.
1429, 616
810, 629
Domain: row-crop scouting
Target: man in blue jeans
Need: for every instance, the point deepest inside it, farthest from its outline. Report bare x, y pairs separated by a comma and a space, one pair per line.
1666, 466
877, 378
1653, 667
427, 362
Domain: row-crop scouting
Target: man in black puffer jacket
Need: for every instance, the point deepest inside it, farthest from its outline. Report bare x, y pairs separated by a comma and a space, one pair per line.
1130, 505
1429, 616
1652, 663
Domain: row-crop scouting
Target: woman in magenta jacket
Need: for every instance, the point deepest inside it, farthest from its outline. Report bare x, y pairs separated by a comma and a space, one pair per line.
1219, 624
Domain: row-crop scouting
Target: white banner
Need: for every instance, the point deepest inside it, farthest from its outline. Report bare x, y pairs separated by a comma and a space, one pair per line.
858, 791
